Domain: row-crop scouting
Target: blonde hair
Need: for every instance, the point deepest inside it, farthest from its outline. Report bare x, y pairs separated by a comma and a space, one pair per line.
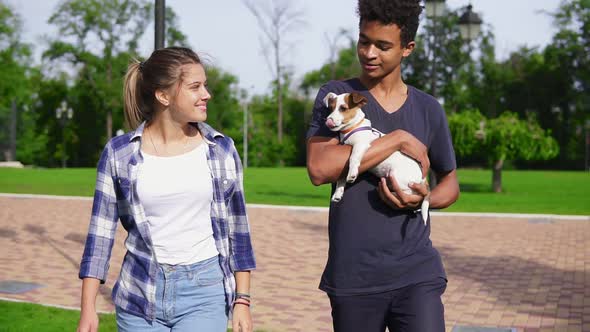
160, 71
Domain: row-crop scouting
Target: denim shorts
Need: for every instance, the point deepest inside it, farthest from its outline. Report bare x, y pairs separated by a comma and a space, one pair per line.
188, 298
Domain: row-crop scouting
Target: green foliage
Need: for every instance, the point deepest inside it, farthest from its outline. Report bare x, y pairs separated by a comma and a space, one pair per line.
16, 86
467, 131
503, 138
225, 112
508, 138
345, 66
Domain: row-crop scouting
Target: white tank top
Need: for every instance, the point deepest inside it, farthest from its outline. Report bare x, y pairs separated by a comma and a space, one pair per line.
176, 194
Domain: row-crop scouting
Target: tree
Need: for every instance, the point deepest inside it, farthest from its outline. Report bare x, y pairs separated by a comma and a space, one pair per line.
115, 24
344, 66
276, 21
500, 139
15, 70
440, 61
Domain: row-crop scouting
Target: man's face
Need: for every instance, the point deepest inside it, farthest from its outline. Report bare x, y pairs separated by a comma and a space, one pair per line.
379, 48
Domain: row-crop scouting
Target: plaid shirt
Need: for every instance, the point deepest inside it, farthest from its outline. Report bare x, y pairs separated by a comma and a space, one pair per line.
115, 197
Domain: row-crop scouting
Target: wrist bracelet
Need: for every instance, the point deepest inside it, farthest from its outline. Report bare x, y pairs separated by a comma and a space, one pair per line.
247, 304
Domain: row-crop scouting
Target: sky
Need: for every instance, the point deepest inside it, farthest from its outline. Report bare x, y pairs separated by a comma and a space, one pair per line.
228, 34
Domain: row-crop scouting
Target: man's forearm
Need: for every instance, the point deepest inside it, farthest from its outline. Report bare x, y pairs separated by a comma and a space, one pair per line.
446, 192
330, 162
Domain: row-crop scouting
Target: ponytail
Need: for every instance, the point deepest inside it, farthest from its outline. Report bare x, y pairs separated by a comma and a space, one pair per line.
132, 96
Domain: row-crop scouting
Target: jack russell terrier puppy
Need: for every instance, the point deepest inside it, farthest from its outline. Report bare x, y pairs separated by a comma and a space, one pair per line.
347, 117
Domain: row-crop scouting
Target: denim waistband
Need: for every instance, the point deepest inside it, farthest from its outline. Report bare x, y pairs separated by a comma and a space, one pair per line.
182, 271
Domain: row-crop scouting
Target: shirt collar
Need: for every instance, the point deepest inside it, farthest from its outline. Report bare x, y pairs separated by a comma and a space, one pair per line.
209, 134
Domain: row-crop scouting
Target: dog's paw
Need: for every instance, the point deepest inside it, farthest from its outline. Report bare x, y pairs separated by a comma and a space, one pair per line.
336, 198
352, 175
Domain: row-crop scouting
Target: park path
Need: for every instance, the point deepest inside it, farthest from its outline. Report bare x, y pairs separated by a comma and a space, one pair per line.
504, 271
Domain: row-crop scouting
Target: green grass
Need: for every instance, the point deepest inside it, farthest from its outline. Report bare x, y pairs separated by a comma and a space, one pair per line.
17, 317
554, 192
25, 317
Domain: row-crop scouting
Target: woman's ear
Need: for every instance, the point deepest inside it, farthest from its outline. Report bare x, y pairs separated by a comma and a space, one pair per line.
162, 97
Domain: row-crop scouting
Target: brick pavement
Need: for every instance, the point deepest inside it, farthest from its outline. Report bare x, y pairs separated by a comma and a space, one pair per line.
503, 272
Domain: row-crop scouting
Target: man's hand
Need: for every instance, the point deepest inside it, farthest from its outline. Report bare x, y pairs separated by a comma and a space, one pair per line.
399, 199
412, 147
241, 320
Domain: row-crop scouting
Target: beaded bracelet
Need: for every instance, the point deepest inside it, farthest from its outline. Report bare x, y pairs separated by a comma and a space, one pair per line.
242, 303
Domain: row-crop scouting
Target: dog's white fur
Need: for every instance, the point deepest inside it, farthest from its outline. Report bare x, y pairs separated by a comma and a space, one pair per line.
346, 113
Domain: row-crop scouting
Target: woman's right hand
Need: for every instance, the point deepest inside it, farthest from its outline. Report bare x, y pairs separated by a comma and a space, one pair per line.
412, 147
88, 321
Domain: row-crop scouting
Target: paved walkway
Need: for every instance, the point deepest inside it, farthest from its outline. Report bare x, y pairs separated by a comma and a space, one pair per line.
530, 274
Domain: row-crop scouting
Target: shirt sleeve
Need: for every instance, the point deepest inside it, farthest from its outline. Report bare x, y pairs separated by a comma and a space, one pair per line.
103, 222
318, 127
441, 152
240, 243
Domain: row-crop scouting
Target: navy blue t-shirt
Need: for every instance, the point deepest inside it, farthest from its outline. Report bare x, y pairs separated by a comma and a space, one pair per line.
374, 248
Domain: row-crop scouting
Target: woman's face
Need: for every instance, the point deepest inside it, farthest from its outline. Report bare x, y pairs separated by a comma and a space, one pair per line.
189, 102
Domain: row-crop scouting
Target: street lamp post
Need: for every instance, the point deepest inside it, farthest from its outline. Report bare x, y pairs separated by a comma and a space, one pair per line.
63, 113
160, 24
434, 10
245, 142
470, 25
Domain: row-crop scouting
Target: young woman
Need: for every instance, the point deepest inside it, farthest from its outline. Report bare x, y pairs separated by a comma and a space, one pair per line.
176, 185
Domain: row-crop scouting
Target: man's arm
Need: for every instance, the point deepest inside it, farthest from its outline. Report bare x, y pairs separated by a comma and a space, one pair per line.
327, 160
443, 195
446, 191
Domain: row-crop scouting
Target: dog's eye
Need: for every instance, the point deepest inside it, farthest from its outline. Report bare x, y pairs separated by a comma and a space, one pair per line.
343, 108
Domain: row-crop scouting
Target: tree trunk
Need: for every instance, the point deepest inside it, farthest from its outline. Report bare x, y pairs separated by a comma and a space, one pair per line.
497, 176
109, 108
11, 156
279, 98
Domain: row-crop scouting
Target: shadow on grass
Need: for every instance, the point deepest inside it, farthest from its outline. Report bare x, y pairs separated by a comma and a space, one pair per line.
284, 194
475, 188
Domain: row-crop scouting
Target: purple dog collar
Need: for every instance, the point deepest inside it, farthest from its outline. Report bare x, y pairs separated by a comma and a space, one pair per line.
355, 131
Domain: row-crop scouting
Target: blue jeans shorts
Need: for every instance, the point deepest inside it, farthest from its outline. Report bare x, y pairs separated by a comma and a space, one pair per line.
188, 298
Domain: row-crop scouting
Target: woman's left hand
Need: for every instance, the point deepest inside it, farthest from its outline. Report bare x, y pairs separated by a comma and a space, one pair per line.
242, 320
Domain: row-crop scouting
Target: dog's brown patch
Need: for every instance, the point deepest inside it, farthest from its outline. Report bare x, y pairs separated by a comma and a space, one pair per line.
353, 101
332, 103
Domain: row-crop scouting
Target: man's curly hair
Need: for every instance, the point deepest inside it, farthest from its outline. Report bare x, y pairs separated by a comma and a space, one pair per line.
403, 13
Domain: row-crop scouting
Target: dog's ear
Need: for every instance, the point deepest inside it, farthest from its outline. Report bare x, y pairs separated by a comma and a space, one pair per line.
357, 100
330, 100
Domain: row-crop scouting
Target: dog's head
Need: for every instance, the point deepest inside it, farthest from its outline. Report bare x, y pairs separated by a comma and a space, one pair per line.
345, 109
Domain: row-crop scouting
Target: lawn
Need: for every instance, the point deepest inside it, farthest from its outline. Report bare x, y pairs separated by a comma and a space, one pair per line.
22, 317
553, 192
25, 317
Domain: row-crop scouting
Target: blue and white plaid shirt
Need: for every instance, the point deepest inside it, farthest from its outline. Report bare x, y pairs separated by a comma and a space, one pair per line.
115, 197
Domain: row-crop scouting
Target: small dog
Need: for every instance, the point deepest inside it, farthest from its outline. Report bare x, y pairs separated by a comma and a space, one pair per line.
347, 117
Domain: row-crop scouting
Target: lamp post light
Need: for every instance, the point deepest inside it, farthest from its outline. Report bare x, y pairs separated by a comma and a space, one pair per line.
63, 113
470, 25
434, 10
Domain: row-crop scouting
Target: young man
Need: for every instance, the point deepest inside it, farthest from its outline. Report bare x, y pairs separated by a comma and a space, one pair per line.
382, 270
